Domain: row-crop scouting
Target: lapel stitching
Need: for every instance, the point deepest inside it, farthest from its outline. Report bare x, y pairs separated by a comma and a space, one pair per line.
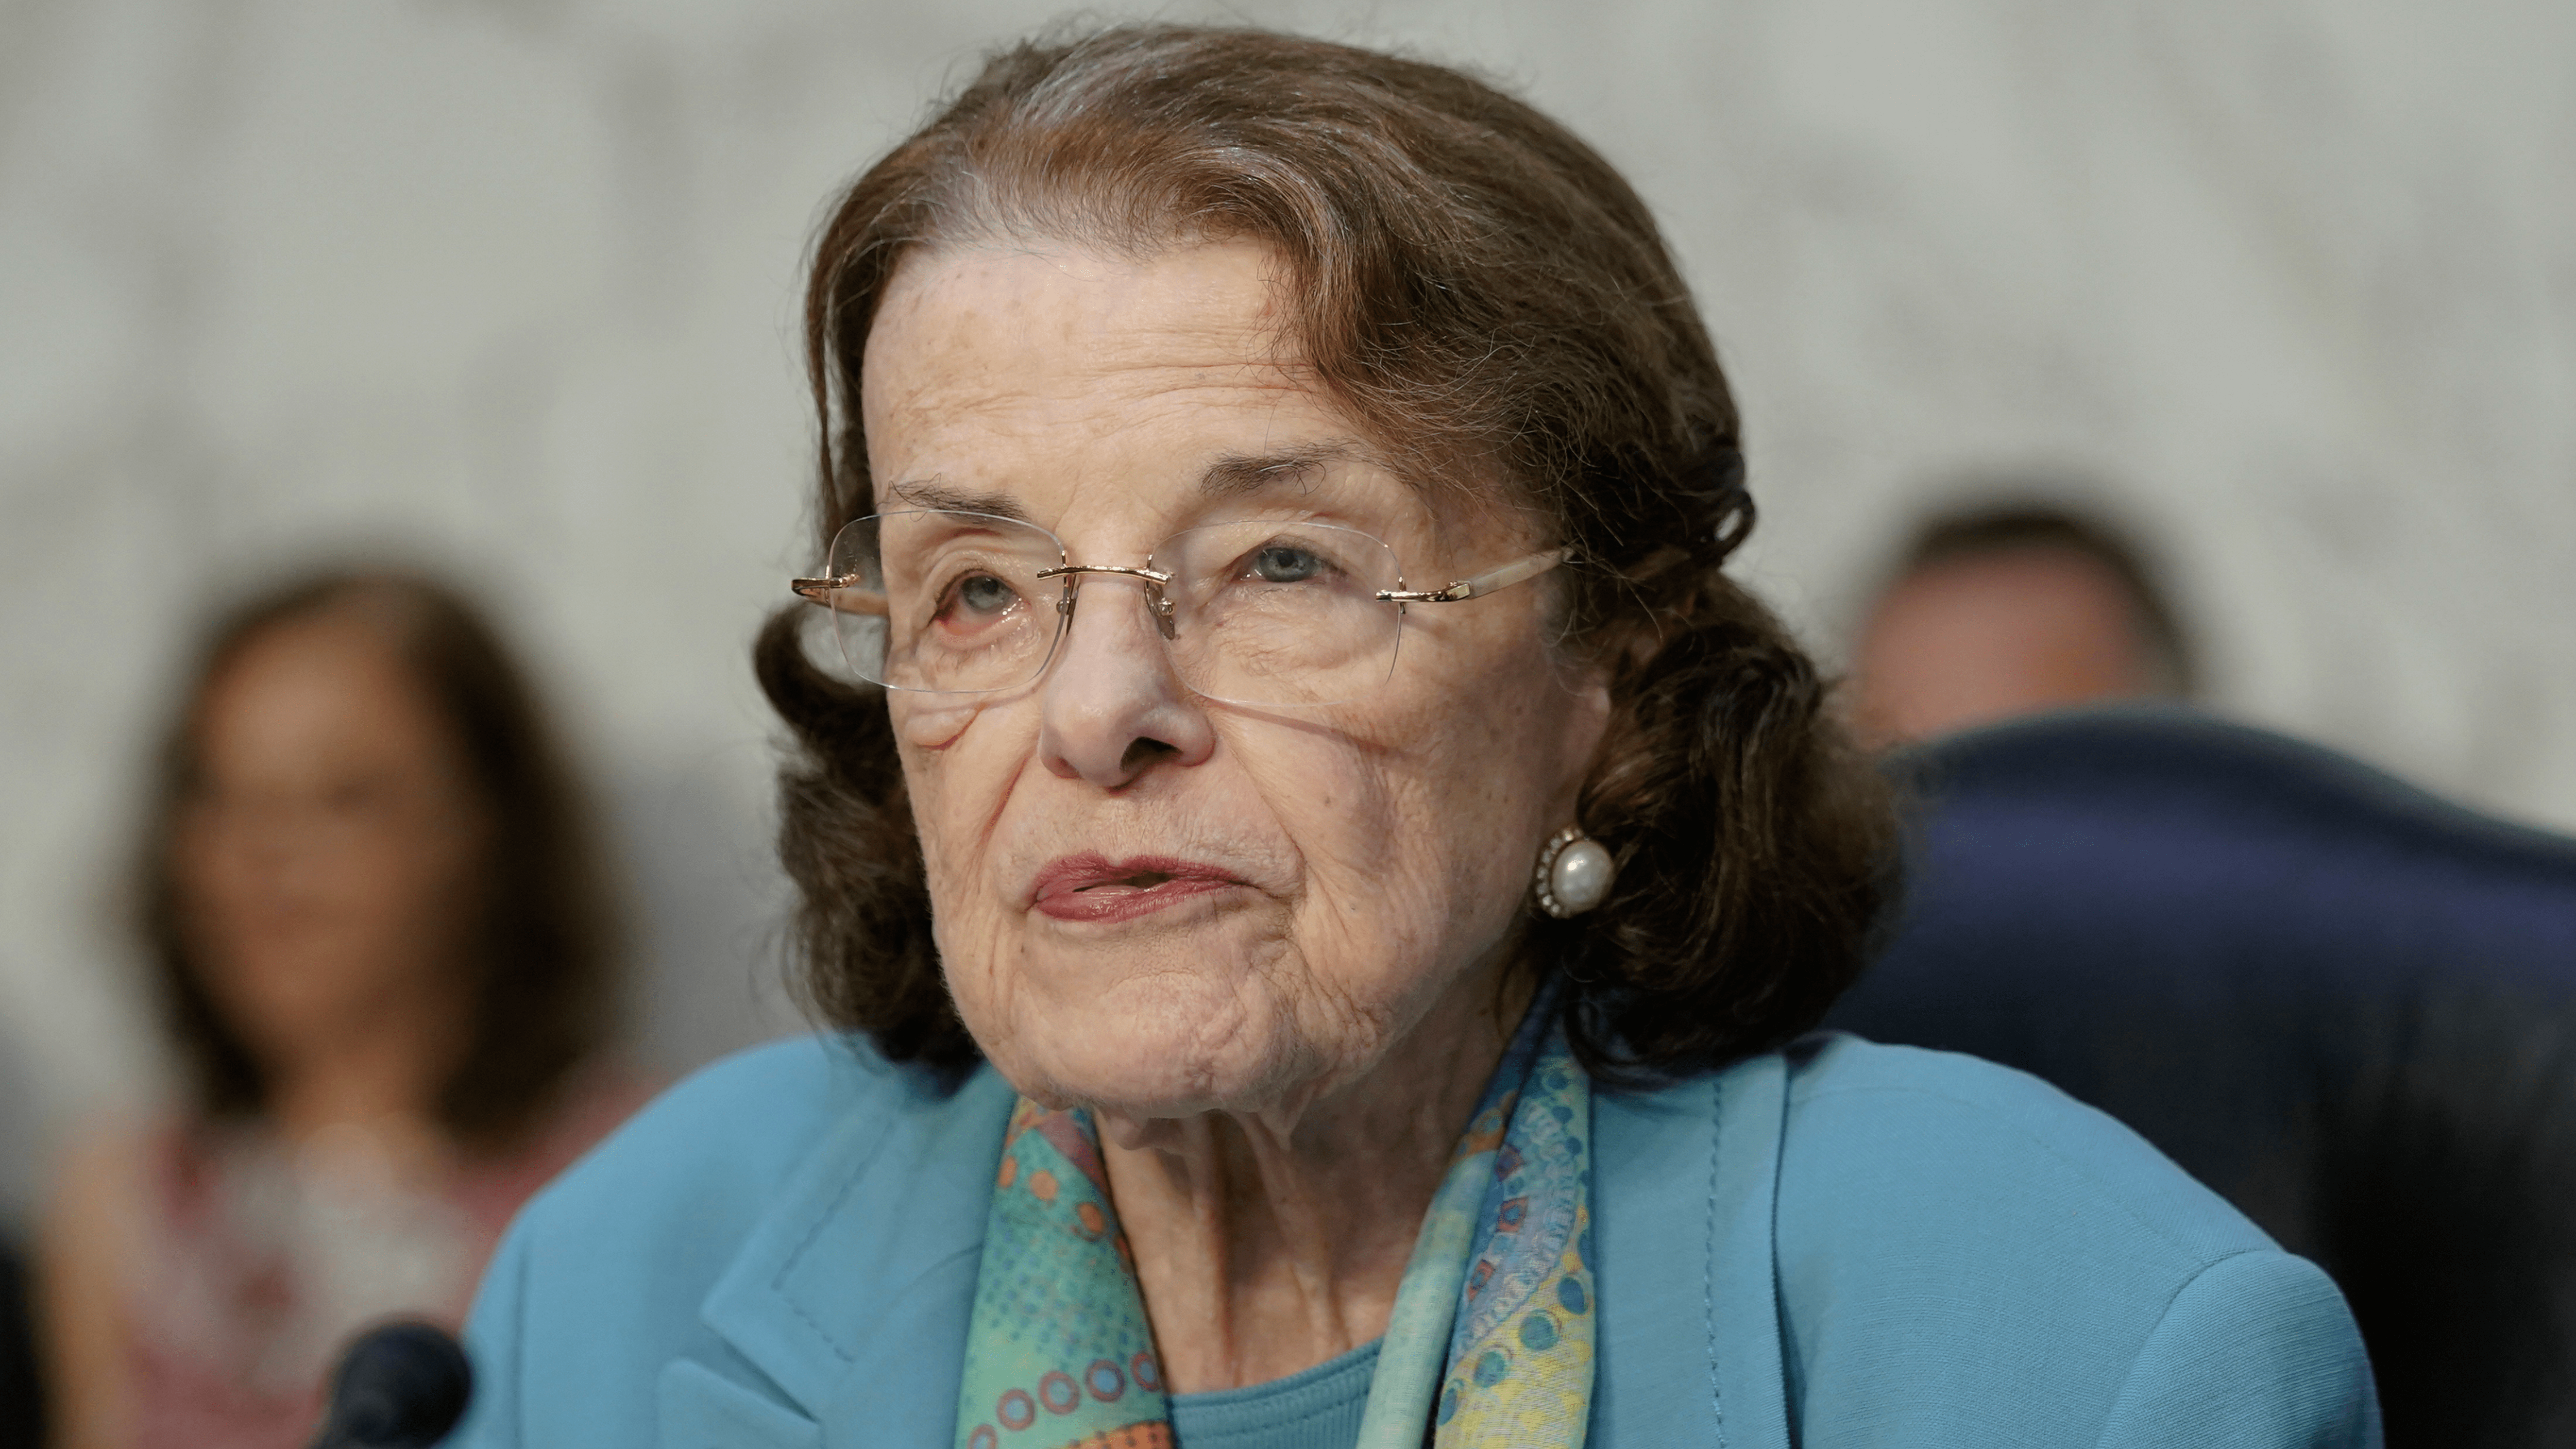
1708, 1260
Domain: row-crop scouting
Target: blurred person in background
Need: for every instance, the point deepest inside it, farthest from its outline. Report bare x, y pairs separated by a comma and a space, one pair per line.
381, 935
2008, 610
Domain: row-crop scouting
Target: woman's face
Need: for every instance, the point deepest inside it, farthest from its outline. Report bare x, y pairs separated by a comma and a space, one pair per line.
327, 858
1146, 901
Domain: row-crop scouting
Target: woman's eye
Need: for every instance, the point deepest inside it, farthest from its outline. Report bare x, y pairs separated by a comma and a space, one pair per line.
1282, 563
985, 594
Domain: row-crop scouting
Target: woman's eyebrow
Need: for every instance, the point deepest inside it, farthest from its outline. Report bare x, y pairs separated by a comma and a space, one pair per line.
931, 493
1236, 473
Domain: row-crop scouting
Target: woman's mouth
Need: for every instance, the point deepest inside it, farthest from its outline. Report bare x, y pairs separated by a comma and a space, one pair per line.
1092, 887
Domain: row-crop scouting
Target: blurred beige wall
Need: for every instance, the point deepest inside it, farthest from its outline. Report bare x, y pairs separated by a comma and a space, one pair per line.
510, 287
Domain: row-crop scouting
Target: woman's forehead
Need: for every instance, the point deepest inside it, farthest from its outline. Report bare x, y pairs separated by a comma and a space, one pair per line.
1033, 383
963, 333
317, 695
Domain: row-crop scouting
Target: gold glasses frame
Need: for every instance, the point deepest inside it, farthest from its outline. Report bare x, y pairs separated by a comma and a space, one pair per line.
1495, 580
825, 591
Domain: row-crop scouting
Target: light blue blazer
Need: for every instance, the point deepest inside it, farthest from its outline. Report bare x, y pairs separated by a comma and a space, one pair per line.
1840, 1245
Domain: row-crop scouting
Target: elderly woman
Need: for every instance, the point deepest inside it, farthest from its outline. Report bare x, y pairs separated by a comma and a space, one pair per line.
1323, 876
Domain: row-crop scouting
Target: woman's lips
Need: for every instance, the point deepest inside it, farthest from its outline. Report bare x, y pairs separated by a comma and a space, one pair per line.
1092, 887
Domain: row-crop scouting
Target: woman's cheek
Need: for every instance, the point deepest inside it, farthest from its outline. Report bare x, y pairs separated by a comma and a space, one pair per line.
959, 792
930, 725
1331, 797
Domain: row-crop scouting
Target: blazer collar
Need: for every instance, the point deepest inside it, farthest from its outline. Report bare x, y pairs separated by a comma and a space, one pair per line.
853, 1292
1683, 1188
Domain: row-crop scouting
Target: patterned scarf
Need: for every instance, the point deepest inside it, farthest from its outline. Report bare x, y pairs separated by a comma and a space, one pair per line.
1490, 1342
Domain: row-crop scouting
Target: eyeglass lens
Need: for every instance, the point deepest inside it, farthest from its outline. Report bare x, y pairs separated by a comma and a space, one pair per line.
1261, 613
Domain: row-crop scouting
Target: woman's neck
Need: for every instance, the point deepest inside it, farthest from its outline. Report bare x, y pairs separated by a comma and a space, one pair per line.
1267, 1247
381, 1073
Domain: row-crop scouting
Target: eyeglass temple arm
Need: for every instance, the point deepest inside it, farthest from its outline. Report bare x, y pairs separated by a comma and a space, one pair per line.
1490, 581
843, 593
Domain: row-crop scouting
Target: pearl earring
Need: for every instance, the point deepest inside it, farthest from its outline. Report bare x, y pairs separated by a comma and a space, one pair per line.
1574, 873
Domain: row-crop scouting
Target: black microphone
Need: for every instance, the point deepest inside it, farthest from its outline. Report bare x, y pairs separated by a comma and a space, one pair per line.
402, 1386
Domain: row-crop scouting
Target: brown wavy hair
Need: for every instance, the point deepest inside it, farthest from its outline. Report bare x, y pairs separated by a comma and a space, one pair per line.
541, 966
1470, 281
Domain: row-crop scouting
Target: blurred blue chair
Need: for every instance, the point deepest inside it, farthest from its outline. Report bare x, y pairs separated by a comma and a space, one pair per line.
2347, 1005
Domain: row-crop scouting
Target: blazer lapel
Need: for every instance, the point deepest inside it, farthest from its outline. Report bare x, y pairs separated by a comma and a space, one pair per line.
852, 1294
1685, 1180
699, 1408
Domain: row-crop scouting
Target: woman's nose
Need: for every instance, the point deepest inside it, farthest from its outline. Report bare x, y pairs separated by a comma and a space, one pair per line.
1111, 707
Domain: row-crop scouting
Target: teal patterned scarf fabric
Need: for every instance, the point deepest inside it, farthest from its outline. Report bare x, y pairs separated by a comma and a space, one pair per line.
1490, 1342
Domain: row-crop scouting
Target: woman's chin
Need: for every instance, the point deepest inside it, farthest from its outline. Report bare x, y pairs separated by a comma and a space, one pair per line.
1161, 1064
